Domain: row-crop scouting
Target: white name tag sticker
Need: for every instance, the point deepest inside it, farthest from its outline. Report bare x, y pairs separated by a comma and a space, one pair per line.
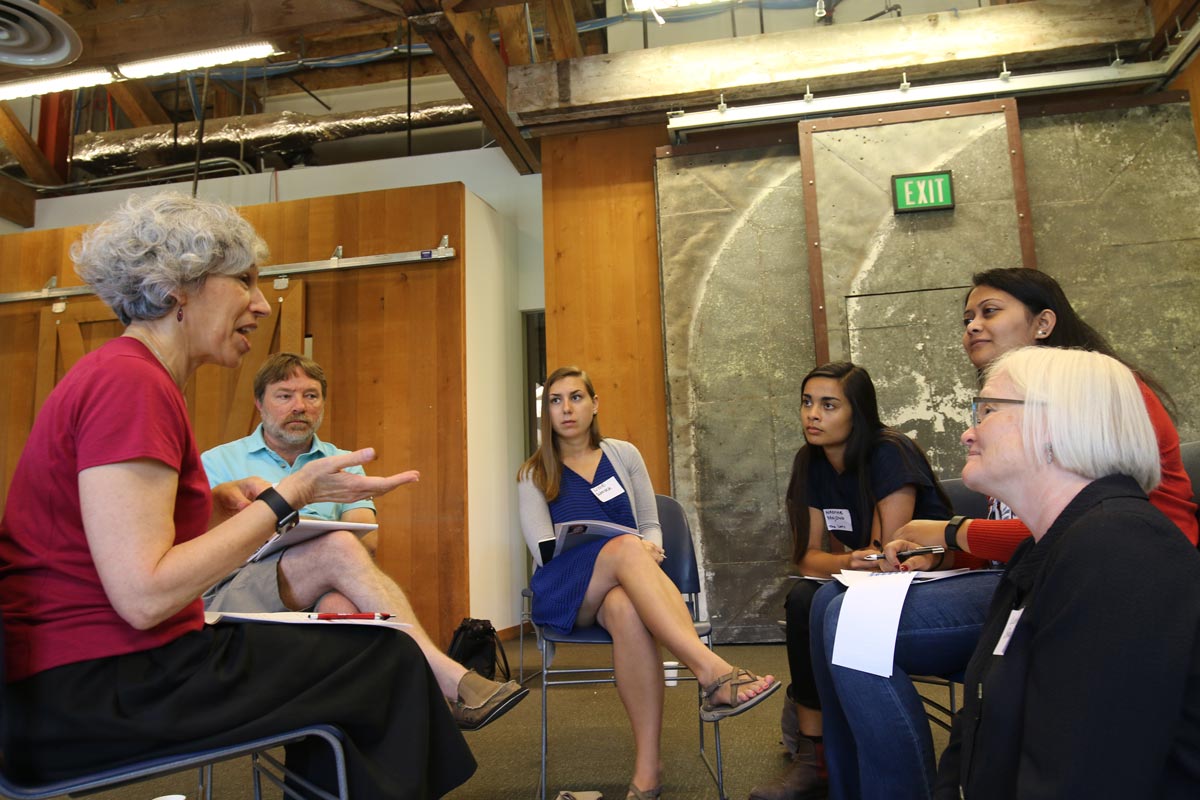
1014, 617
608, 490
838, 519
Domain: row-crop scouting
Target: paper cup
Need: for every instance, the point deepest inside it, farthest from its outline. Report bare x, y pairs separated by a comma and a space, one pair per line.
671, 672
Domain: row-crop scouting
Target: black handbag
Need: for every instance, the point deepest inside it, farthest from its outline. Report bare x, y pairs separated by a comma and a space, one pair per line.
477, 646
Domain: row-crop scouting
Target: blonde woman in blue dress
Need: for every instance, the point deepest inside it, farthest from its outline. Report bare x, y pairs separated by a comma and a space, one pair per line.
577, 474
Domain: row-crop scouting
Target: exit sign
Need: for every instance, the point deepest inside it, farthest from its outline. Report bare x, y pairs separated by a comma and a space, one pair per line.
922, 191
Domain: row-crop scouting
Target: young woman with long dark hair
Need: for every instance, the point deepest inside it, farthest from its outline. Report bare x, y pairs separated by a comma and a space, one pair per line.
856, 481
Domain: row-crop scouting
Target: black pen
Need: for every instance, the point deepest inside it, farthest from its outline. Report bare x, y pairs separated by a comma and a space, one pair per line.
904, 555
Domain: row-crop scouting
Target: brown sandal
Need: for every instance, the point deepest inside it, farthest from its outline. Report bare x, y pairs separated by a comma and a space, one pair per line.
639, 794
737, 678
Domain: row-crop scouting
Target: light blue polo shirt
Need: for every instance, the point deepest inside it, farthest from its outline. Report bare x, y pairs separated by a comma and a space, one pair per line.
252, 456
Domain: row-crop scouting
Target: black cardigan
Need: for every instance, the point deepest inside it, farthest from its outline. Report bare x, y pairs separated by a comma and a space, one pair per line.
1097, 694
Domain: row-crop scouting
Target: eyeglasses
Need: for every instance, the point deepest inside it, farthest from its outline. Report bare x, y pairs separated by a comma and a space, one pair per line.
982, 407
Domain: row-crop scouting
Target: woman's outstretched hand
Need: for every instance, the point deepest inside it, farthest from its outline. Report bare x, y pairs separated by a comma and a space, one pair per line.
325, 480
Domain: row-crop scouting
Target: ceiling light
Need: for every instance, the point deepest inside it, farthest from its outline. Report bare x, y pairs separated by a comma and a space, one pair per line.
62, 82
200, 59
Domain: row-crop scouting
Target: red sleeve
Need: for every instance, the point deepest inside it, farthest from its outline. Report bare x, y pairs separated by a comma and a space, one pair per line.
1173, 497
996, 539
115, 424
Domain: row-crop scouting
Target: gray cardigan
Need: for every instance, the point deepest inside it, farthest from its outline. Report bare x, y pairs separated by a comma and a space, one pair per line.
631, 471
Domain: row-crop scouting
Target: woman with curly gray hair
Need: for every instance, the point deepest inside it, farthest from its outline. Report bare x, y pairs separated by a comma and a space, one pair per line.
111, 533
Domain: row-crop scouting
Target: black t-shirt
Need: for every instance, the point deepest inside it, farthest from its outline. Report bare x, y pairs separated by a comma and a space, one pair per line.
837, 495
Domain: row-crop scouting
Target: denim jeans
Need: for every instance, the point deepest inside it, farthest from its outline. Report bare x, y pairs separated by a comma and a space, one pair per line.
877, 739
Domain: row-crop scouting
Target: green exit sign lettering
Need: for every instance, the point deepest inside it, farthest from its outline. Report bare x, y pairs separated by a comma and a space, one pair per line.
922, 191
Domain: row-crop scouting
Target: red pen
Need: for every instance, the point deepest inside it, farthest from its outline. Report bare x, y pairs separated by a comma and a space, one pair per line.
376, 615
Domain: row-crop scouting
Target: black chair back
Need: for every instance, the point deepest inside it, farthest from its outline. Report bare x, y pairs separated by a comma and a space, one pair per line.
967, 502
680, 563
1190, 453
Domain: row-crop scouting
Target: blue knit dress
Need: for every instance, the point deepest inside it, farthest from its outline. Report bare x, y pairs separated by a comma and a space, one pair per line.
559, 586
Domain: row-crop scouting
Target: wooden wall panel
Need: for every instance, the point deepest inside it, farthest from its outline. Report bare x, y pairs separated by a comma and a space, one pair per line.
390, 339
1189, 81
603, 307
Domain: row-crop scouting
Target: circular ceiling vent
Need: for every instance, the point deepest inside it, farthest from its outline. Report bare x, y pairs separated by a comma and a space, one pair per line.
31, 36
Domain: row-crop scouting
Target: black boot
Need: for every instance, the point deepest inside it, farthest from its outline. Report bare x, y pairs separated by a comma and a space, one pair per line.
804, 778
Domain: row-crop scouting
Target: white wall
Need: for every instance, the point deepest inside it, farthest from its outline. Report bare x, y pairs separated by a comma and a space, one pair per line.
495, 428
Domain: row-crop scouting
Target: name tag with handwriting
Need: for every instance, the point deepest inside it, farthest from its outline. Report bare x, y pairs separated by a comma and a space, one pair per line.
608, 490
838, 519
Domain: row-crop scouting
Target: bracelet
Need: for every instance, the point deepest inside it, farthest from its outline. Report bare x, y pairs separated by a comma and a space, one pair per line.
952, 531
276, 503
938, 565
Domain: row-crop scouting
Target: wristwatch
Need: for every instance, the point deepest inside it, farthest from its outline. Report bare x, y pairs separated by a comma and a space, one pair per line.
952, 531
286, 517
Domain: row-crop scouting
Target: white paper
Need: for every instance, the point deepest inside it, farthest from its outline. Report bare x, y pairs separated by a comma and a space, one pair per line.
866, 632
295, 618
849, 577
310, 528
810, 578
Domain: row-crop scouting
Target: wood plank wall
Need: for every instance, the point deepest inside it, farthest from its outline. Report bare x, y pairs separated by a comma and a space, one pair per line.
390, 338
603, 306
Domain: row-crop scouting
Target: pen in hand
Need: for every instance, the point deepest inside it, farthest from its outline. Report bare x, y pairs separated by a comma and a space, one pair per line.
904, 555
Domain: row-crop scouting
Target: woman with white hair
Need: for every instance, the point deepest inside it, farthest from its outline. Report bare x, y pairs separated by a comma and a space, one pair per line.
1073, 690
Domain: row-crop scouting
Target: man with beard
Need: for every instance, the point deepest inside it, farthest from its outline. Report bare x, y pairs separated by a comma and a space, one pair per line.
334, 572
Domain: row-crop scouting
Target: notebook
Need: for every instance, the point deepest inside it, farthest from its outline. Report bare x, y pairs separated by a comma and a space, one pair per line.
309, 528
572, 534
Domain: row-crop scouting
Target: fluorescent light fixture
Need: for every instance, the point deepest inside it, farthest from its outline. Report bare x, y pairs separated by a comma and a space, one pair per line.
185, 62
63, 82
638, 6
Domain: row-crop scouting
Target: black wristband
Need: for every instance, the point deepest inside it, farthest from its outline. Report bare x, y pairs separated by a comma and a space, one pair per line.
284, 513
952, 532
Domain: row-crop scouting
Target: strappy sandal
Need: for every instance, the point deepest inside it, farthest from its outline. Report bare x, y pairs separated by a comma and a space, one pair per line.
737, 678
648, 794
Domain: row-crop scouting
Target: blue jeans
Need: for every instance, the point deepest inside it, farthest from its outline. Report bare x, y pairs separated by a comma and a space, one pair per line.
877, 739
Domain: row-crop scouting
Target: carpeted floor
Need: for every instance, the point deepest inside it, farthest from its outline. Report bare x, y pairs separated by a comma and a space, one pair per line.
590, 744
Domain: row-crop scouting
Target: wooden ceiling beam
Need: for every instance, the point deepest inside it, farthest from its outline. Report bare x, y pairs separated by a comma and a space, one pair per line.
560, 26
17, 202
464, 6
22, 146
827, 59
138, 103
514, 33
462, 43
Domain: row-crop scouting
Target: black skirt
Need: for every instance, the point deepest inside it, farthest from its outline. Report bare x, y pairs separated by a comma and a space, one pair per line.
234, 682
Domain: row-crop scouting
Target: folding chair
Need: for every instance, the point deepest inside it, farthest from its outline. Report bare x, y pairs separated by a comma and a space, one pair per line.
262, 764
971, 504
203, 760
680, 565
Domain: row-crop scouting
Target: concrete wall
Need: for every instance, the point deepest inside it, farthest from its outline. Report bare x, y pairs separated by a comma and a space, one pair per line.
1113, 198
